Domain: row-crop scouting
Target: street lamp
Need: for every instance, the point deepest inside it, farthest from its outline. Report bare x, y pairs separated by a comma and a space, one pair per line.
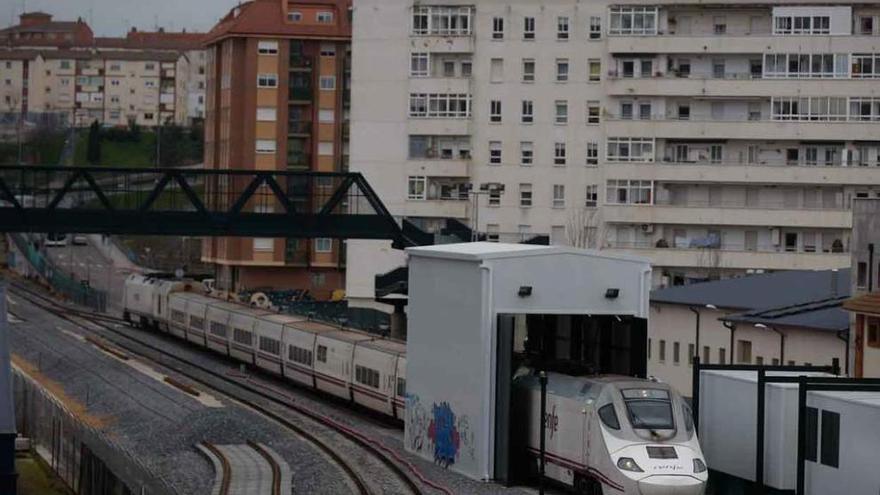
781, 340
696, 311
486, 188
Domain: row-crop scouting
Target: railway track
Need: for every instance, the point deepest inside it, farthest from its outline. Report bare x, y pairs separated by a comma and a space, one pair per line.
88, 321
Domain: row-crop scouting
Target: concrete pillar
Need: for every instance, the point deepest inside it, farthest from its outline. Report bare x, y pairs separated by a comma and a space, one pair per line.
398, 323
7, 411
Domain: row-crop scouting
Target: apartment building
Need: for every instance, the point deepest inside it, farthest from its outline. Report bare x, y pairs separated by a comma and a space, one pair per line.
59, 68
277, 99
864, 307
714, 139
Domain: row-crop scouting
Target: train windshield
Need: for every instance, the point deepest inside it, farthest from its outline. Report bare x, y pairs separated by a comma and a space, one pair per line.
649, 409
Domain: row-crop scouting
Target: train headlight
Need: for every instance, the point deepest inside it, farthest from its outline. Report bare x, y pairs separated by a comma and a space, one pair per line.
699, 466
628, 464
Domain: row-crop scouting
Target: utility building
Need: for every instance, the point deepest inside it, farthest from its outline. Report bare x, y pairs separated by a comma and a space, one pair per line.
479, 311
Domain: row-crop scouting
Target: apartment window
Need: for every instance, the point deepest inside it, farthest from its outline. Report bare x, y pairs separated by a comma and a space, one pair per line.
872, 329
676, 352
595, 32
494, 197
816, 108
645, 111
684, 111
496, 70
561, 69
744, 352
716, 153
561, 111
448, 68
719, 69
864, 109
592, 153
441, 20
562, 28
559, 154
326, 116
593, 111
439, 105
267, 48
264, 244
801, 65
294, 16
417, 187
526, 153
798, 24
528, 70
528, 28
629, 192
690, 355
324, 17
327, 82
592, 196
595, 70
662, 351
626, 110
495, 111
528, 115
267, 80
722, 355
266, 114
497, 28
466, 68
633, 21
862, 275
64, 64
495, 152
525, 195
419, 64
325, 148
629, 149
865, 65
719, 24
558, 195
149, 66
323, 245
115, 67
266, 146
328, 50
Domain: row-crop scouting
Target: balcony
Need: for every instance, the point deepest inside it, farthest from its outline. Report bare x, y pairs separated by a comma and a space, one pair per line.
696, 213
436, 167
733, 44
298, 160
732, 83
300, 94
736, 257
438, 126
300, 63
735, 172
663, 126
442, 208
299, 128
443, 85
443, 44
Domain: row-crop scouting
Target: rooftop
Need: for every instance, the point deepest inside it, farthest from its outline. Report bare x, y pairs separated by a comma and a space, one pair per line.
763, 291
486, 250
268, 17
866, 303
818, 315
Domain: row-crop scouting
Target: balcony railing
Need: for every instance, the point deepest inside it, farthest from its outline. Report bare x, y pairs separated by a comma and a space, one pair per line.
698, 244
752, 117
300, 93
301, 62
675, 74
819, 163
757, 205
299, 127
298, 159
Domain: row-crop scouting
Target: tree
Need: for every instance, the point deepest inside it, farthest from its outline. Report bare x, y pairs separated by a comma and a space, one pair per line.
93, 151
172, 145
582, 228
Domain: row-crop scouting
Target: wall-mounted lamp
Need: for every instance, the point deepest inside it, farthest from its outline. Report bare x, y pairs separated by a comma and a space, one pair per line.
525, 291
612, 293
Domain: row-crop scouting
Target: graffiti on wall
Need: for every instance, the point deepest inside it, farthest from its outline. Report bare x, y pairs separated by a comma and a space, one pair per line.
441, 434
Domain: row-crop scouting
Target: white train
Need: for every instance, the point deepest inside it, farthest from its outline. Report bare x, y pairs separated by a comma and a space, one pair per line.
612, 434
605, 435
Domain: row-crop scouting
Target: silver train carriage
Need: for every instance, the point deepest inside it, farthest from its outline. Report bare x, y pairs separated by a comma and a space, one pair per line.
349, 364
612, 434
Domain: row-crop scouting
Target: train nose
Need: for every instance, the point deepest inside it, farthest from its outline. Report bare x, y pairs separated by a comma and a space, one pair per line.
671, 485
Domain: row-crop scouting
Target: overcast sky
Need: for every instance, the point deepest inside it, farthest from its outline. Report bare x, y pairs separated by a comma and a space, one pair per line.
115, 17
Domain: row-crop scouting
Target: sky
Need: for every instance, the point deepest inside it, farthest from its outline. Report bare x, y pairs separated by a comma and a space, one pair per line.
116, 17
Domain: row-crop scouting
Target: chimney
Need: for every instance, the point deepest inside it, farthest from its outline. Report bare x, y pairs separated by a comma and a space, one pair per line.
161, 30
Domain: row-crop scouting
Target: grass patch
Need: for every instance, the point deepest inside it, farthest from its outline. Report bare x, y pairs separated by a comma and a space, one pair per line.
35, 478
169, 199
139, 154
41, 150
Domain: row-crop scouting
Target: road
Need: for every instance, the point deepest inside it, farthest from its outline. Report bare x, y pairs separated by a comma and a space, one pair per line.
87, 263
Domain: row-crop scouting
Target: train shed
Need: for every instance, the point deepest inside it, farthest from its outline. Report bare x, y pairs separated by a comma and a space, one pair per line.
479, 311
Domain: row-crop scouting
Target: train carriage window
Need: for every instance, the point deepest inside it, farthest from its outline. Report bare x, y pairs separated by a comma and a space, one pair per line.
322, 354
196, 322
178, 316
242, 337
218, 329
300, 355
401, 387
270, 345
688, 419
366, 376
609, 416
830, 438
649, 409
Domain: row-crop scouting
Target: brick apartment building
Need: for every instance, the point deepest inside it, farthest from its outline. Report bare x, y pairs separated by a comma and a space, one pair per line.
277, 99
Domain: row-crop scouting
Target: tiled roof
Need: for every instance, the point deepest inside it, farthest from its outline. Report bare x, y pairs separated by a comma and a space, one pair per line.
266, 17
866, 303
46, 27
817, 315
156, 40
18, 54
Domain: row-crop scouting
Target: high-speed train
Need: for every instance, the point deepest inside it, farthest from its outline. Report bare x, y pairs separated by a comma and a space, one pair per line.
612, 434
605, 435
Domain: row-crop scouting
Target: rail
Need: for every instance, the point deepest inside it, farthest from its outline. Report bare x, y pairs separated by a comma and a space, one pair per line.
226, 475
276, 469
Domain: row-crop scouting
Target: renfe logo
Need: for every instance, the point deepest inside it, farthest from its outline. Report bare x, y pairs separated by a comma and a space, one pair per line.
668, 467
551, 420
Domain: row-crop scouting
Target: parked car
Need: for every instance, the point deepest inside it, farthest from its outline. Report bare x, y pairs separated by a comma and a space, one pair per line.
80, 240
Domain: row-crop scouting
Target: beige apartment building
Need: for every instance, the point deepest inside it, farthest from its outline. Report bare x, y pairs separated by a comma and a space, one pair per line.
714, 139
61, 69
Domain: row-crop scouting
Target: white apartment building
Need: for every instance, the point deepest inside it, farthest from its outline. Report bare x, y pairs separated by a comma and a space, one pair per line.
713, 139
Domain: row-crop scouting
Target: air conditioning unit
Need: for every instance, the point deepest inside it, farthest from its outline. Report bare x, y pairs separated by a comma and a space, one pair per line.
647, 228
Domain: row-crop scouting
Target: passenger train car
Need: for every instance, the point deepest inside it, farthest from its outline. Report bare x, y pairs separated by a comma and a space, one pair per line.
604, 434
612, 434
352, 365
